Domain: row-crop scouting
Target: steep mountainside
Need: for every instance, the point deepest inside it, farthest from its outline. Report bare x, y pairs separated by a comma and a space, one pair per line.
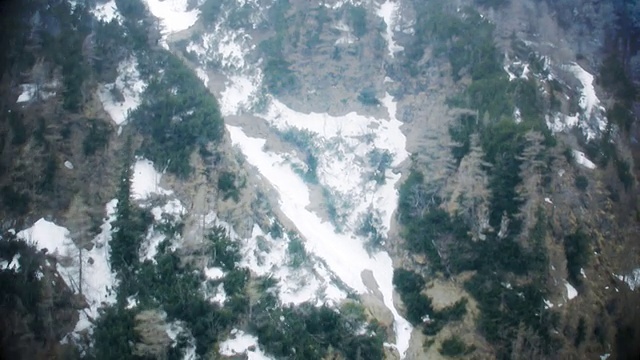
344, 179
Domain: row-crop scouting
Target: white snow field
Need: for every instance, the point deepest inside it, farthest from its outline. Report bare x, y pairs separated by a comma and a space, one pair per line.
240, 343
174, 16
342, 172
98, 281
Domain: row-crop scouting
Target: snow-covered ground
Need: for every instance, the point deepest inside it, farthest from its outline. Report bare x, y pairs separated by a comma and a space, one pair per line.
571, 291
174, 15
107, 12
632, 279
28, 92
388, 11
129, 85
98, 282
267, 256
582, 159
240, 343
146, 181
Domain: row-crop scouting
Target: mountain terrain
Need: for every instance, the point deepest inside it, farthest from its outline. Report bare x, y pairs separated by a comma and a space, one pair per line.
340, 179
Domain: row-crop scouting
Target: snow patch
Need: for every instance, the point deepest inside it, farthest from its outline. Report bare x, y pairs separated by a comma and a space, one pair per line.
107, 12
582, 159
267, 256
14, 265
221, 296
213, 273
29, 91
344, 254
129, 86
176, 329
633, 279
98, 282
173, 15
242, 344
146, 180
571, 291
203, 76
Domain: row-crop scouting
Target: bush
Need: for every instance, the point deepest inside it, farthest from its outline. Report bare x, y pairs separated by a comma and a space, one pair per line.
97, 138
454, 346
227, 185
176, 115
368, 97
582, 182
577, 248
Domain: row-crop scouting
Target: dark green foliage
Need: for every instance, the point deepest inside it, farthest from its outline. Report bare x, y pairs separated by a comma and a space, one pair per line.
114, 334
380, 162
296, 252
419, 308
577, 248
453, 346
581, 332
177, 114
304, 141
223, 252
276, 230
227, 185
15, 200
129, 227
461, 133
492, 3
176, 288
357, 19
368, 97
97, 138
502, 311
624, 173
307, 332
582, 182
209, 11
613, 78
235, 281
621, 116
21, 296
18, 130
503, 143
371, 228
278, 77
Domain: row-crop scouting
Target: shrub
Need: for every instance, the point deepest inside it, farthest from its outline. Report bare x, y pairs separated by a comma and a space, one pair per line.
581, 182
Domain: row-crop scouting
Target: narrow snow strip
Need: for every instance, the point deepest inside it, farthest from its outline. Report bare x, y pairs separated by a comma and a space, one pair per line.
588, 99
389, 12
581, 159
344, 254
242, 344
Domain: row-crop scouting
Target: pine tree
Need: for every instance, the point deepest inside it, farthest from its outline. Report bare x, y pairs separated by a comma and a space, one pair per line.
124, 245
